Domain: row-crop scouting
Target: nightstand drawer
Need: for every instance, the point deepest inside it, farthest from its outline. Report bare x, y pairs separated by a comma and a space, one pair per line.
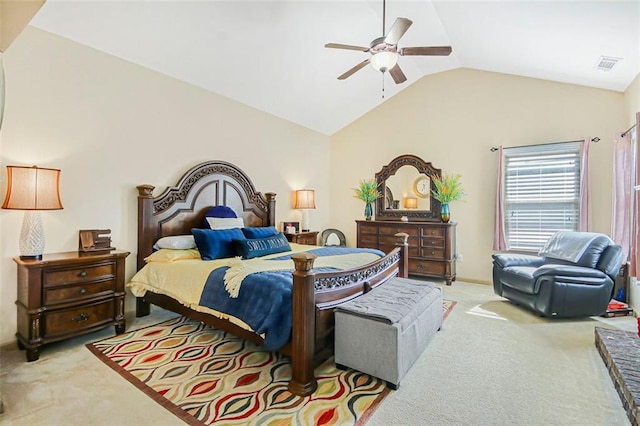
55, 295
307, 239
70, 320
78, 274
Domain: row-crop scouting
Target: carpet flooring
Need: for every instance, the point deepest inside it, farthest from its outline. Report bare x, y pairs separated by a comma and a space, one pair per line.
206, 376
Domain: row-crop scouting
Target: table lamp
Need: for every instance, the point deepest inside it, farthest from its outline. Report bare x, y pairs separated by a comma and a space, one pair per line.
410, 203
32, 189
305, 200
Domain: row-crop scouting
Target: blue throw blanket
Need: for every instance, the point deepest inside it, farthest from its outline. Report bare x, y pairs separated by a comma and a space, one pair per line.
265, 298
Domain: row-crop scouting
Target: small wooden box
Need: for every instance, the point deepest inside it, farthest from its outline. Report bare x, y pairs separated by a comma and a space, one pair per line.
93, 240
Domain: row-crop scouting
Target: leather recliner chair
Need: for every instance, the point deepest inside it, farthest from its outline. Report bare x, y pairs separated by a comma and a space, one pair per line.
573, 276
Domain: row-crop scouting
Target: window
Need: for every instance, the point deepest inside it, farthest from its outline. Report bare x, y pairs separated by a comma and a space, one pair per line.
541, 193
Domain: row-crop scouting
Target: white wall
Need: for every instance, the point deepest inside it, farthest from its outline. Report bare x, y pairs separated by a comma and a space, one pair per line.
110, 125
452, 119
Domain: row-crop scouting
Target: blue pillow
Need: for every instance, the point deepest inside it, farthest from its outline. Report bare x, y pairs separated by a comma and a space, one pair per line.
216, 243
217, 211
250, 248
260, 232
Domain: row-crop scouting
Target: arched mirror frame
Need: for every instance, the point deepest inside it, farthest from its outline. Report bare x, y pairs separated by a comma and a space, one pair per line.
423, 167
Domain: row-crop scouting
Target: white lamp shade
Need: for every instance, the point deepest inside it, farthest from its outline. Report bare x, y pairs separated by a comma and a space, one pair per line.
305, 199
383, 61
32, 188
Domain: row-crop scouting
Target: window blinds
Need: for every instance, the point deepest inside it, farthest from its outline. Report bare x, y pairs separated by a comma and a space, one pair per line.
542, 192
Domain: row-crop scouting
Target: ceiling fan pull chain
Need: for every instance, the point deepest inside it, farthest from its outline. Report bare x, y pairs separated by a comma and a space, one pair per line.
382, 84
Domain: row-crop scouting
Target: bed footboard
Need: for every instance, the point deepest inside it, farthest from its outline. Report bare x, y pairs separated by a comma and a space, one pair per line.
316, 291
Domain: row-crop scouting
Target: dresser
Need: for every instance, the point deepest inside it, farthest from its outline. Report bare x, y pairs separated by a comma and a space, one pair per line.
67, 294
432, 245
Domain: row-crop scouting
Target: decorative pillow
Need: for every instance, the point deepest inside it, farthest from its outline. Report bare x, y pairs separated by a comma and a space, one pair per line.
178, 242
216, 243
218, 211
250, 248
171, 255
225, 222
260, 232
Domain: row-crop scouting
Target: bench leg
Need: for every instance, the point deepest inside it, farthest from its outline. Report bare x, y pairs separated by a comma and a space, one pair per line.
341, 367
393, 386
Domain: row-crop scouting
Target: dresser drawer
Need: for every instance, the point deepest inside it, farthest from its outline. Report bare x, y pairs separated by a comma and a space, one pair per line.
413, 251
432, 243
368, 229
53, 295
369, 240
426, 267
433, 253
78, 274
71, 320
432, 232
392, 230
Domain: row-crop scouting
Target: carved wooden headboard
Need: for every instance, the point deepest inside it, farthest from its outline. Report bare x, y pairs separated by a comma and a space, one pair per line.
182, 207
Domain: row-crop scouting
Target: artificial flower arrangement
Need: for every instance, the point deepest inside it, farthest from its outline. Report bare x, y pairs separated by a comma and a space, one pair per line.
448, 188
367, 191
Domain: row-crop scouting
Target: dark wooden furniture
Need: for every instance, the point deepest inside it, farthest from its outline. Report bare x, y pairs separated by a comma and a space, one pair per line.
67, 294
431, 245
400, 178
304, 237
182, 207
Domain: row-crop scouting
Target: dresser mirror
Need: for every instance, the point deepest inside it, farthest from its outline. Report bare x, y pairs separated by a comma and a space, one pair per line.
406, 185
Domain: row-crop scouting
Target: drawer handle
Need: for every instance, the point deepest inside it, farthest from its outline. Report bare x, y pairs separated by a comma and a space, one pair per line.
82, 291
433, 252
419, 265
82, 274
80, 318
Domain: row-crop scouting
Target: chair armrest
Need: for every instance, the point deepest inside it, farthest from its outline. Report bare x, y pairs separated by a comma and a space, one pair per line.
569, 271
505, 260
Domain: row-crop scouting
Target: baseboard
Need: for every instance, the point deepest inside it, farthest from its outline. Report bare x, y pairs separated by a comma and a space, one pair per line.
474, 280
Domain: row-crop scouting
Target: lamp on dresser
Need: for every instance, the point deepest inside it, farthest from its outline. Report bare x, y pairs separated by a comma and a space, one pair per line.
32, 189
305, 200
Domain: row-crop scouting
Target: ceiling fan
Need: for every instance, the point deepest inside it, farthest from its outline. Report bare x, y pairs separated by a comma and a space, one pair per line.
384, 50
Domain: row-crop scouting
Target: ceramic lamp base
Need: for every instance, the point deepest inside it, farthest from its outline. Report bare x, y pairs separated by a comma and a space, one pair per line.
31, 236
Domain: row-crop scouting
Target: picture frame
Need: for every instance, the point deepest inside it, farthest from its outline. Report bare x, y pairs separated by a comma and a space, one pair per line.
283, 226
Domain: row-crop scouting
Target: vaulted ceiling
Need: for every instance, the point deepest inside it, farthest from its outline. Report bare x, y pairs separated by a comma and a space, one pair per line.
271, 54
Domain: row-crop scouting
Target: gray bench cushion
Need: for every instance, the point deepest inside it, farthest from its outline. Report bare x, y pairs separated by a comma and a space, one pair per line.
398, 301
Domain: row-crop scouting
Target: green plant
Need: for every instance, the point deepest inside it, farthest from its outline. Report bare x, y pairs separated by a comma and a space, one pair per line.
367, 191
448, 188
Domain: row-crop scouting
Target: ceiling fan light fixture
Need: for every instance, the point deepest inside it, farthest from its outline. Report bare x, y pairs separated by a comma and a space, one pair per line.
384, 61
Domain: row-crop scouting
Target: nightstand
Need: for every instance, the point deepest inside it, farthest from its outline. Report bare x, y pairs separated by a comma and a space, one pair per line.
67, 294
304, 237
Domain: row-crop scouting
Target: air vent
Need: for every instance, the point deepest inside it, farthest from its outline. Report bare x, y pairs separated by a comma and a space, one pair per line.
605, 63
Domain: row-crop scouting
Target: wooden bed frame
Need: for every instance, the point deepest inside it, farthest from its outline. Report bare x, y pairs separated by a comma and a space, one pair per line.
182, 207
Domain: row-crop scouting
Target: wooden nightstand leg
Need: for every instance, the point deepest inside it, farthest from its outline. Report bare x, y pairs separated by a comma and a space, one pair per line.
120, 328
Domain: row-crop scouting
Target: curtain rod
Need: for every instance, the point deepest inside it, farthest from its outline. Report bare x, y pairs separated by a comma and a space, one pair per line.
594, 140
627, 131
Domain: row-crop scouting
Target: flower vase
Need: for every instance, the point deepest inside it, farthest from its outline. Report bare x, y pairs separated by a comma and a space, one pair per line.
445, 212
368, 211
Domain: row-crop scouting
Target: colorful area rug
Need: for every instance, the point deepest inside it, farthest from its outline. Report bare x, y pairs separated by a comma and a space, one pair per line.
206, 376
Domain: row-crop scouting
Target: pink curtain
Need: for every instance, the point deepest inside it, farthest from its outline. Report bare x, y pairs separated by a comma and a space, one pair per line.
499, 239
634, 256
620, 220
585, 216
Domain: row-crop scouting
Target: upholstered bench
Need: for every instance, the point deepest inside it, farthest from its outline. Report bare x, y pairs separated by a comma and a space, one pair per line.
383, 332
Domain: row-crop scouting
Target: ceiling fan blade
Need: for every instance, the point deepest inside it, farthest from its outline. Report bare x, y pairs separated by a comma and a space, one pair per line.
346, 46
397, 30
425, 51
354, 69
397, 74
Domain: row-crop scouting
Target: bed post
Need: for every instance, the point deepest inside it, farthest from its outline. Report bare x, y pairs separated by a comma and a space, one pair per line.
271, 200
303, 380
404, 254
145, 238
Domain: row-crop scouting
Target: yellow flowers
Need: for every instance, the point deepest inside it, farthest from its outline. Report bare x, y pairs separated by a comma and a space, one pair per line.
448, 188
367, 191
